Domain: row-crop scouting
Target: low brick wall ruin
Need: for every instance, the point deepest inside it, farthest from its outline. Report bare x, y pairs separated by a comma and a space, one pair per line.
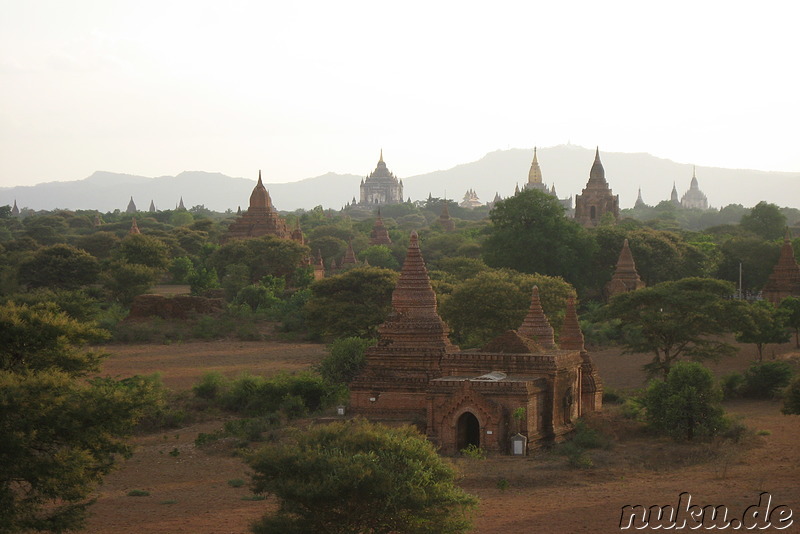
177, 307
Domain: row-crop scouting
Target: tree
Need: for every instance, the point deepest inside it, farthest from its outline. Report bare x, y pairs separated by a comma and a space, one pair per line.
530, 234
127, 280
144, 250
673, 320
754, 256
379, 256
59, 267
262, 255
686, 403
61, 432
765, 220
357, 476
485, 306
761, 323
353, 303
791, 308
345, 360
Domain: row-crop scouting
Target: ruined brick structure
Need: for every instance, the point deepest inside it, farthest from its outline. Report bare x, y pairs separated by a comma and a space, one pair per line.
596, 199
625, 277
261, 219
785, 278
458, 398
447, 223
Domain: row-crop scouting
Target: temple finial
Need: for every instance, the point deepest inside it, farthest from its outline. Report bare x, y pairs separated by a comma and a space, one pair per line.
259, 176
381, 155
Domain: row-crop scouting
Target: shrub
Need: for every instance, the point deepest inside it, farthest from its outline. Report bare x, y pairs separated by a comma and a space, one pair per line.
138, 493
732, 385
346, 359
210, 387
589, 438
791, 401
685, 404
474, 452
766, 379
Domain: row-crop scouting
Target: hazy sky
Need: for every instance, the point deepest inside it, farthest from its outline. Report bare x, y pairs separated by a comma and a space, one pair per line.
301, 88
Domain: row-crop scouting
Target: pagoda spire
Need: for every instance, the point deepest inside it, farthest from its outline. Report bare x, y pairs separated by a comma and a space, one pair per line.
571, 336
535, 173
134, 227
413, 296
381, 160
536, 326
597, 175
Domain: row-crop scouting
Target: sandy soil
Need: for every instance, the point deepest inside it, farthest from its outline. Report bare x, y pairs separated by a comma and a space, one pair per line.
189, 490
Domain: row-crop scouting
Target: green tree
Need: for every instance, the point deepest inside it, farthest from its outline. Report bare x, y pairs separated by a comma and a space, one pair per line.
127, 280
755, 256
485, 306
686, 403
791, 308
144, 250
262, 255
761, 323
379, 256
530, 234
765, 220
673, 320
346, 359
59, 267
61, 432
98, 244
356, 476
351, 304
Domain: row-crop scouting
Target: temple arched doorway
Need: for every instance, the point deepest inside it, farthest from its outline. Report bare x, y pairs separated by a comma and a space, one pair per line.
468, 431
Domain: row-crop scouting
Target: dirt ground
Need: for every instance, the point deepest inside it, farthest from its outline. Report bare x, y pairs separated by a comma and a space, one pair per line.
193, 490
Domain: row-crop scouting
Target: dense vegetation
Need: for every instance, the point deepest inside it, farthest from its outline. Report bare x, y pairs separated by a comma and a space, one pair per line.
65, 281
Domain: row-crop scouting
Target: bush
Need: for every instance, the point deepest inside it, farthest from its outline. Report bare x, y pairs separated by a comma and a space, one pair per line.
791, 401
589, 438
766, 379
210, 387
685, 404
732, 386
474, 452
345, 361
253, 395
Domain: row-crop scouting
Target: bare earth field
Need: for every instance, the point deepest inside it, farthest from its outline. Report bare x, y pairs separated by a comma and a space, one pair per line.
189, 490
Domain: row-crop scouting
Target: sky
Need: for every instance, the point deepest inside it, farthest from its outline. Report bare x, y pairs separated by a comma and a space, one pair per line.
300, 88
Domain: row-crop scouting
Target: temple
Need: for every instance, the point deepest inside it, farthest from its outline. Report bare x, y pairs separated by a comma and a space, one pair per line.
381, 186
785, 278
535, 182
379, 234
625, 277
131, 207
445, 221
596, 199
471, 200
260, 219
694, 198
461, 398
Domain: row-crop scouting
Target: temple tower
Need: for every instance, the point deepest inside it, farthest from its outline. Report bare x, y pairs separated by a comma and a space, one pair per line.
785, 278
15, 209
596, 199
131, 207
625, 277
260, 219
694, 198
379, 234
639, 202
447, 224
381, 186
535, 326
411, 344
134, 227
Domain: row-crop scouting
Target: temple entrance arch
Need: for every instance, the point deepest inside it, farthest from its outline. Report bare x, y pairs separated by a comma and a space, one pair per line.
468, 431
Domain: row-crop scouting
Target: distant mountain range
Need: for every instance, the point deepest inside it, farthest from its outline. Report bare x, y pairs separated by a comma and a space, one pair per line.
565, 166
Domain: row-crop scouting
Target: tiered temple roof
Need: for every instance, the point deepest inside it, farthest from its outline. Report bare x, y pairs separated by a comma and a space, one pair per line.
596, 199
260, 219
379, 234
625, 277
785, 278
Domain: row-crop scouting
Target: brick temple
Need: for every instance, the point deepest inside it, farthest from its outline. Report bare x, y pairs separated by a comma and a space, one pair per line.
261, 219
461, 398
784, 281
